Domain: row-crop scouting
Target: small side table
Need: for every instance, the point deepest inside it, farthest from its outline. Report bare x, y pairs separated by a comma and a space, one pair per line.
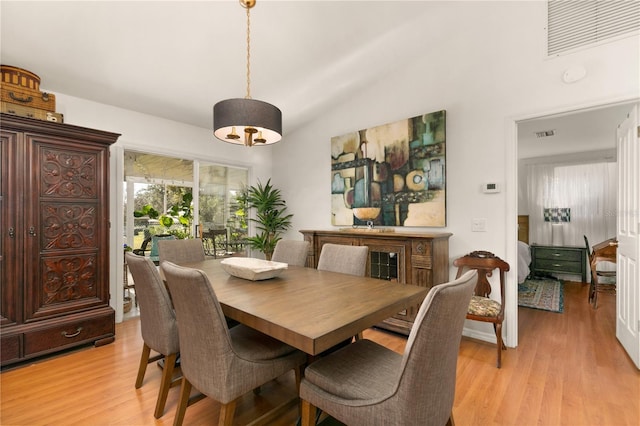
570, 260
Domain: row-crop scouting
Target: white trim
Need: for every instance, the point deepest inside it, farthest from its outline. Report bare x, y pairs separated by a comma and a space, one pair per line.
489, 337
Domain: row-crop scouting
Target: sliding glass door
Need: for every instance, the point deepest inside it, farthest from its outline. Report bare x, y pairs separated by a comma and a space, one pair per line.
185, 198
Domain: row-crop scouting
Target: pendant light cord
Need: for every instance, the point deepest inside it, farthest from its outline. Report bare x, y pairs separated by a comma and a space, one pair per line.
248, 54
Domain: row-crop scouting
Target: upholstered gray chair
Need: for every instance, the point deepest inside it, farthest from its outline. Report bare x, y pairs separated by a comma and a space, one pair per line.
222, 363
157, 323
343, 258
292, 252
181, 251
368, 384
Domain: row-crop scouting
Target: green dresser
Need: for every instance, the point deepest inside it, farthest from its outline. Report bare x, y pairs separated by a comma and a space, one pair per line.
570, 260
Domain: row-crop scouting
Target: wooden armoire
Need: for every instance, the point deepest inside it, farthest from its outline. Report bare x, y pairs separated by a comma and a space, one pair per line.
54, 247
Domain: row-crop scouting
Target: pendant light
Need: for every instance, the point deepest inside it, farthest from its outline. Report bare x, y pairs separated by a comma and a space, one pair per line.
247, 121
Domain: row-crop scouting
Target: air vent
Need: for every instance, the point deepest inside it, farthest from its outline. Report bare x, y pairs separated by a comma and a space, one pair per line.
574, 24
545, 133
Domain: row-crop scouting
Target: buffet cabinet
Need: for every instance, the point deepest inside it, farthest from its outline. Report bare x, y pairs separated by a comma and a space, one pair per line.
54, 247
420, 259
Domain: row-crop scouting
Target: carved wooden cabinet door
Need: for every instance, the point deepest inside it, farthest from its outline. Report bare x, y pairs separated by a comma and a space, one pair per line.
9, 224
66, 226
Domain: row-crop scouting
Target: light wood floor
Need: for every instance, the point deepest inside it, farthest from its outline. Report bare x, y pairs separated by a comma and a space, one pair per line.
568, 370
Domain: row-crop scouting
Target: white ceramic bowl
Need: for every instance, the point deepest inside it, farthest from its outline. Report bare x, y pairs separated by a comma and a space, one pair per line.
252, 269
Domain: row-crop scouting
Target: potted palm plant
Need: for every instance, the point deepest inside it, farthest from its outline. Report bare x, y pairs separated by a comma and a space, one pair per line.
271, 216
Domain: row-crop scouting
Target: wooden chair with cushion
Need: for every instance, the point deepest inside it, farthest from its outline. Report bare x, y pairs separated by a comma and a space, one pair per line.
343, 258
157, 324
222, 363
602, 281
291, 252
368, 384
181, 251
482, 307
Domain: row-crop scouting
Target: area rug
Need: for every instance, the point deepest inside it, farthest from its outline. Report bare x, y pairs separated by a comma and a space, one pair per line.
541, 293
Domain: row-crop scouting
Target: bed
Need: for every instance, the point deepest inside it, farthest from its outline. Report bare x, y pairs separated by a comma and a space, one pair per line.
524, 251
524, 260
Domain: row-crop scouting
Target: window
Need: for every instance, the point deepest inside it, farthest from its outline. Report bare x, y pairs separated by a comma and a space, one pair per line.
167, 185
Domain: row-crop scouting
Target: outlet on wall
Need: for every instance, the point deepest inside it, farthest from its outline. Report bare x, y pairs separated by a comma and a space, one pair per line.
479, 225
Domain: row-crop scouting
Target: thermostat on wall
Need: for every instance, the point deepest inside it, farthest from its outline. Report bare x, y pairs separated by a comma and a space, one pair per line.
490, 188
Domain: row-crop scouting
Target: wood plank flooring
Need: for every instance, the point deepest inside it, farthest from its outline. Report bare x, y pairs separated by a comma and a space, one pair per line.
568, 370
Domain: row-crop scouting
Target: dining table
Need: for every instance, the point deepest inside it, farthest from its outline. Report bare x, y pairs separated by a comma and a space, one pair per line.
309, 309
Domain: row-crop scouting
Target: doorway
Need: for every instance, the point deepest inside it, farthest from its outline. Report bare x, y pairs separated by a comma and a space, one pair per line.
605, 115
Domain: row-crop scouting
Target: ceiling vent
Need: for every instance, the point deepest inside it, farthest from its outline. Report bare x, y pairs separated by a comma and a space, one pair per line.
545, 133
574, 24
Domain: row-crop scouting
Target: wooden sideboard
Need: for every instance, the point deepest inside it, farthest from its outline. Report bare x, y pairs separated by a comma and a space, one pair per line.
409, 258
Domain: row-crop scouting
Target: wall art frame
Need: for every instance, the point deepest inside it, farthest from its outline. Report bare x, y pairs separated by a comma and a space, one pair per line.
391, 175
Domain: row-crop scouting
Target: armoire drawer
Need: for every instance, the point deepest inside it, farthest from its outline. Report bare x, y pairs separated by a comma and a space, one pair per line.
68, 334
10, 347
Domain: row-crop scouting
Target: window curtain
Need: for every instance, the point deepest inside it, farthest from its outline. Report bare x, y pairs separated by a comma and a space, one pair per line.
589, 190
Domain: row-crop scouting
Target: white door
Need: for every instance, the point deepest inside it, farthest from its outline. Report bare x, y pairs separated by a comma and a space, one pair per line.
628, 266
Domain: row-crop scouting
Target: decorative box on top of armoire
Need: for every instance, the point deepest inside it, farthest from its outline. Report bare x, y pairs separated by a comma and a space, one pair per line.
416, 258
54, 247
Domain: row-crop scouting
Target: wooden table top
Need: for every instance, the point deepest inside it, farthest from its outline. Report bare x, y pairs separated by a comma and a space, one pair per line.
309, 309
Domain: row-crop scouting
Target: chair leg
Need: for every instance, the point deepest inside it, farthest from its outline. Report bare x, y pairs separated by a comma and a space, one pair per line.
226, 413
183, 402
594, 294
165, 384
142, 369
450, 422
308, 413
298, 373
499, 343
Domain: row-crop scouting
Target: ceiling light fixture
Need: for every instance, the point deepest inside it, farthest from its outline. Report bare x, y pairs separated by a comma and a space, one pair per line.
247, 121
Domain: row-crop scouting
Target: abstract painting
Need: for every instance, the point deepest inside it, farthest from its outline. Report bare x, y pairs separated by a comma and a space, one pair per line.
391, 175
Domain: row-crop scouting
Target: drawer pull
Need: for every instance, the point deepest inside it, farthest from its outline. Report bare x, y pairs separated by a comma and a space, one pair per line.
556, 254
557, 265
69, 336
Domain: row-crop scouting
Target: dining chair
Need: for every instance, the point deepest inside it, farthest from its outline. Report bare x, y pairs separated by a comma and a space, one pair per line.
602, 281
154, 252
343, 258
292, 252
368, 384
221, 363
181, 251
482, 307
157, 324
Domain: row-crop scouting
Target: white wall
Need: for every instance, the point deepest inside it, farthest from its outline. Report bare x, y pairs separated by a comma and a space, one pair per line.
486, 70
